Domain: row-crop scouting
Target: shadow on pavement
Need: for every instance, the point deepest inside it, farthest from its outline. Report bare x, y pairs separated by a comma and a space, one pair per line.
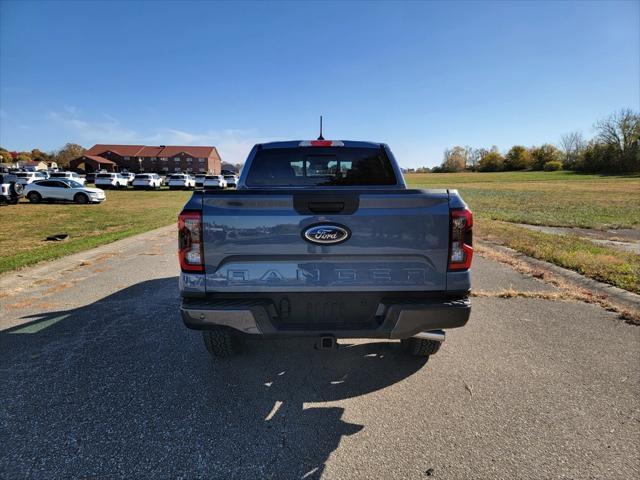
120, 388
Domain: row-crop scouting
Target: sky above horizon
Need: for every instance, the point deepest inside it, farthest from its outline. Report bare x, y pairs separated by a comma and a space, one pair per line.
420, 76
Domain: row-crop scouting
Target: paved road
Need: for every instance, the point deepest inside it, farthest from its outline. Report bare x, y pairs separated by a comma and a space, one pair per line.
99, 379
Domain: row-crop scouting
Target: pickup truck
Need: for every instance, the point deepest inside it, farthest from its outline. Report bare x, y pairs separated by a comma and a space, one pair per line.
323, 239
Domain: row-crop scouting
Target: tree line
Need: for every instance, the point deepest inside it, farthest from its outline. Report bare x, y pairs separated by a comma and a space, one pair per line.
62, 156
614, 149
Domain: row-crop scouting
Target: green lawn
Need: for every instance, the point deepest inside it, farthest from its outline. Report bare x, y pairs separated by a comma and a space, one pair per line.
557, 199
497, 199
124, 213
545, 198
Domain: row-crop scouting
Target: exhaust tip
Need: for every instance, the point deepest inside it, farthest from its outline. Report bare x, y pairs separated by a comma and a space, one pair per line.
326, 343
435, 335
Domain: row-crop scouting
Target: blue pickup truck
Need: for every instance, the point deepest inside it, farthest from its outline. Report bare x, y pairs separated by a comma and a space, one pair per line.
323, 239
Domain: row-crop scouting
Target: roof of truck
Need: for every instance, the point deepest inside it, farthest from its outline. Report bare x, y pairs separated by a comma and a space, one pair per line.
297, 143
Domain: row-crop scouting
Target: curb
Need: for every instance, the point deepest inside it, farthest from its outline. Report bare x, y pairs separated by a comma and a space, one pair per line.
618, 295
22, 277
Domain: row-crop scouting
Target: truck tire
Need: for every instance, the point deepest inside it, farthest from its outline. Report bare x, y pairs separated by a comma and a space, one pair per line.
222, 342
420, 347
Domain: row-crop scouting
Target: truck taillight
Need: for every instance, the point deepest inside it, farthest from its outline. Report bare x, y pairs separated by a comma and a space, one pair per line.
190, 242
321, 143
460, 239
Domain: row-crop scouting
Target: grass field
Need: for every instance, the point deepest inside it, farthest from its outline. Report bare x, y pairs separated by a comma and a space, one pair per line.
125, 213
556, 199
498, 200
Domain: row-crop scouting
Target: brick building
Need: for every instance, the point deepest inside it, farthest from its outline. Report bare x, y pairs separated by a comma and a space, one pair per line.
142, 158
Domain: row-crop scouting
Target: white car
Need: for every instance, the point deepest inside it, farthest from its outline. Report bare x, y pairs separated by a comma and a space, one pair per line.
200, 180
129, 176
63, 190
69, 176
111, 180
232, 181
25, 178
215, 181
181, 180
147, 180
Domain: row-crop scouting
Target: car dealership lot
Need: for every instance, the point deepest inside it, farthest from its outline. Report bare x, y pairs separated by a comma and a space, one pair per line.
101, 379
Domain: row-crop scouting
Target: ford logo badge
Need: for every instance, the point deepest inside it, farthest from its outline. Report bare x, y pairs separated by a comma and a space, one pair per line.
326, 234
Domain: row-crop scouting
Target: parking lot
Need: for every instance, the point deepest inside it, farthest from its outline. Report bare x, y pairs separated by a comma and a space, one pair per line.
100, 379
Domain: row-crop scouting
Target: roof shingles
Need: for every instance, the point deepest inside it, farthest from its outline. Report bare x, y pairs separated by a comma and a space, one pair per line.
151, 151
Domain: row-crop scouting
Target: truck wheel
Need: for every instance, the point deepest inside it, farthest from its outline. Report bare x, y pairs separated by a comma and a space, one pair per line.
222, 342
420, 347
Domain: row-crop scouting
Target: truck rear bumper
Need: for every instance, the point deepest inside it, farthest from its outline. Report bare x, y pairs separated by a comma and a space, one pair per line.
259, 317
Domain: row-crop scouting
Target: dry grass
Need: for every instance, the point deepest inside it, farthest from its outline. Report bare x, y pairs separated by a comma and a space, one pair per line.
567, 291
599, 262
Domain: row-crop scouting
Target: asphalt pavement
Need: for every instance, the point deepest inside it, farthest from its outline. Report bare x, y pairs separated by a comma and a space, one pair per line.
100, 379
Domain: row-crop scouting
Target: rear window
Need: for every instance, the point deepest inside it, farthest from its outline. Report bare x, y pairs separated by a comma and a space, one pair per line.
321, 166
105, 175
143, 177
22, 175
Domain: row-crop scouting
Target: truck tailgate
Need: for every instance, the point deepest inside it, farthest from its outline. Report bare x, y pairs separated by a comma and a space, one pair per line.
254, 240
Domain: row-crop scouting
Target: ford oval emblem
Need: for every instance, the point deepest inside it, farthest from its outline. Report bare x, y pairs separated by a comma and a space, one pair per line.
326, 234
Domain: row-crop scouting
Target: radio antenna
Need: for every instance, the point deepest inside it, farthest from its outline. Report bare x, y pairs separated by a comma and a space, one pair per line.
320, 137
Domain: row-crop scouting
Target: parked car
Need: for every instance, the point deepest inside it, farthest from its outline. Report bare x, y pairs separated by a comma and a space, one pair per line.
181, 181
110, 180
147, 180
351, 253
129, 176
25, 178
232, 181
90, 177
214, 182
69, 176
63, 190
200, 180
10, 189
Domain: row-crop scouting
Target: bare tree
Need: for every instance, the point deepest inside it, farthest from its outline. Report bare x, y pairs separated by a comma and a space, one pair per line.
473, 157
621, 130
571, 144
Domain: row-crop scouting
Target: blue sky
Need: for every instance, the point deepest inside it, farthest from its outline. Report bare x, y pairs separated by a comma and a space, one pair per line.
419, 76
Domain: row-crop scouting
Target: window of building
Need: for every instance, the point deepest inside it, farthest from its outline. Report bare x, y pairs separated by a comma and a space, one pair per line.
163, 159
201, 160
189, 159
127, 158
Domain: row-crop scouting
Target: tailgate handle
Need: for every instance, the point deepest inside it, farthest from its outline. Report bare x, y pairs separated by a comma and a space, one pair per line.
325, 207
326, 203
